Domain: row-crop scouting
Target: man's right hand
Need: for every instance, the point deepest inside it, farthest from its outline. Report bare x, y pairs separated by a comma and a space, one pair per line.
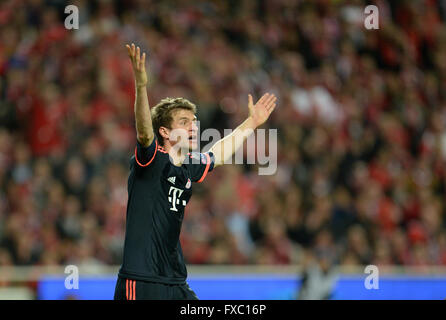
138, 64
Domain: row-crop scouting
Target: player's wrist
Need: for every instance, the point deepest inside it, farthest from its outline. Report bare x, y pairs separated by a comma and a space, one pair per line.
140, 85
251, 123
141, 80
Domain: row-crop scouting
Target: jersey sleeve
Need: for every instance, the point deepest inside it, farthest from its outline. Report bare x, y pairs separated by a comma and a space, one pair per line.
144, 155
200, 164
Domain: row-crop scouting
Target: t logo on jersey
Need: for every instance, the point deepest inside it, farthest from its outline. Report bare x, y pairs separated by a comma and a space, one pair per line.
175, 198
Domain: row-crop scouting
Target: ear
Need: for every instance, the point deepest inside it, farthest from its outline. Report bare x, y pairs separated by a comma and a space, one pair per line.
164, 132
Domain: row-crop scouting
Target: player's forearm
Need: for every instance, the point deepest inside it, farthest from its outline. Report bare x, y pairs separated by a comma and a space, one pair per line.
143, 119
224, 149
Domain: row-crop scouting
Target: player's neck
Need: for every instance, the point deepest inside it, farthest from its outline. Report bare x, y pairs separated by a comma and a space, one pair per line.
177, 155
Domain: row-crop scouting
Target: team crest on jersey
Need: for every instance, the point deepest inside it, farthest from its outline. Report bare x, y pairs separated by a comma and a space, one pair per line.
188, 184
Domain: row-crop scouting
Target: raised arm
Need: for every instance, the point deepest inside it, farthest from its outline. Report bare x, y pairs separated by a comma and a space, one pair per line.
143, 119
258, 114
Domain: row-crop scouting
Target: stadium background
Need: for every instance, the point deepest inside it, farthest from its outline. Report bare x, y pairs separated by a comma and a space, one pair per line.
361, 127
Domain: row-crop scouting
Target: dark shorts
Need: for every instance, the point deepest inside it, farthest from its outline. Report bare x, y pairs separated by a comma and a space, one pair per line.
127, 289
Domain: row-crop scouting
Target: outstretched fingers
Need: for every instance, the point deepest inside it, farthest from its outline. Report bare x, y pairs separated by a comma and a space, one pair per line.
143, 60
135, 56
138, 58
250, 103
270, 103
129, 50
271, 108
267, 99
263, 98
271, 99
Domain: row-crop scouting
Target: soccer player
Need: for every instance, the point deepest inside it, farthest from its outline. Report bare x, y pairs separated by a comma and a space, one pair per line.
160, 186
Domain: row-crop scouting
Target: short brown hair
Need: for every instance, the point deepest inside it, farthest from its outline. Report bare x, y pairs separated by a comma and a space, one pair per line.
162, 113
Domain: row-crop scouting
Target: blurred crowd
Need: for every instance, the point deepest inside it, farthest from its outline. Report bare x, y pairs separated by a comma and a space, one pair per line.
361, 123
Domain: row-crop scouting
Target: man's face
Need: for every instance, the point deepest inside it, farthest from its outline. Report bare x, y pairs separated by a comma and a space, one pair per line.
184, 130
